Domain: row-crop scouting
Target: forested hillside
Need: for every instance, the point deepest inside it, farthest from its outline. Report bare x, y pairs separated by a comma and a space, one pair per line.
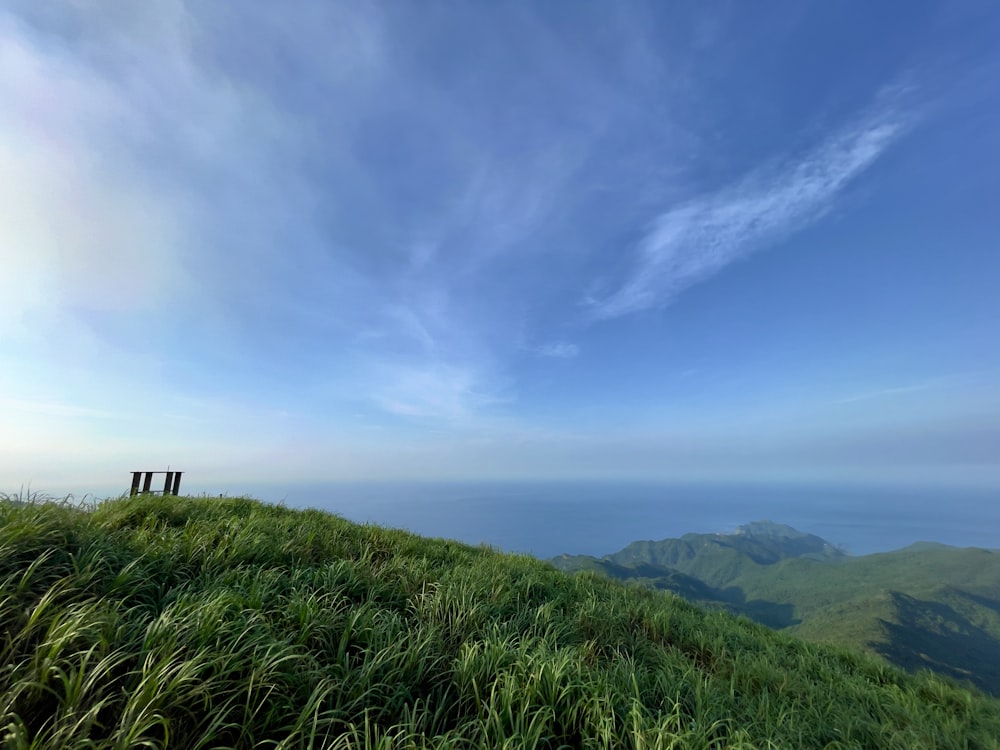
927, 606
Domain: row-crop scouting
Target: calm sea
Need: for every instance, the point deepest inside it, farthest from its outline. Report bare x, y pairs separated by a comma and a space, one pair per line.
548, 518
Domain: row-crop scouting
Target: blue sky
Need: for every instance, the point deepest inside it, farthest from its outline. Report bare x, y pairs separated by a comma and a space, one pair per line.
321, 240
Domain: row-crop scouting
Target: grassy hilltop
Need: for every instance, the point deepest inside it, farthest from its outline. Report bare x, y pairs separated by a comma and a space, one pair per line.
926, 606
179, 622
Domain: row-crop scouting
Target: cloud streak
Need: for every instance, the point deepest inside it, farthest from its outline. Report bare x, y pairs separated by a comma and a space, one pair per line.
437, 391
54, 409
558, 350
697, 239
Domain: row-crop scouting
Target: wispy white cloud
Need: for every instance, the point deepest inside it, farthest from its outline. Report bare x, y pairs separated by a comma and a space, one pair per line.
436, 391
697, 239
968, 383
54, 409
558, 350
341, 167
887, 392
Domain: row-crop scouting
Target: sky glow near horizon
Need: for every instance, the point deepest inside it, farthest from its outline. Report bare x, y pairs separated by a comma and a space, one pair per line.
325, 240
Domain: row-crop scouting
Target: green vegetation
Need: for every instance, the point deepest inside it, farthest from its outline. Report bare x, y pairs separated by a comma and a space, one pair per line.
197, 623
927, 606
717, 559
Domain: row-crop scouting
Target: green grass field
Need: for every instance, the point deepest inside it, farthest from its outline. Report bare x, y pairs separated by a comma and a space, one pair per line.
219, 623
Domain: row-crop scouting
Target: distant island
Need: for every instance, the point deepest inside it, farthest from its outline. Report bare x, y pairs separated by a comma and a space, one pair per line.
927, 606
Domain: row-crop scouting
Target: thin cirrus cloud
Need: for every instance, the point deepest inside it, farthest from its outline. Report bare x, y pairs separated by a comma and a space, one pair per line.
437, 391
54, 409
695, 240
558, 350
889, 392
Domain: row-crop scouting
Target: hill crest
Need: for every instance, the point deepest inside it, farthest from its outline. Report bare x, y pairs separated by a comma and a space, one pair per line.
231, 623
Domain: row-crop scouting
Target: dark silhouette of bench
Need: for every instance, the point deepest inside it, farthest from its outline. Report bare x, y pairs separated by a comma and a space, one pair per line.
171, 486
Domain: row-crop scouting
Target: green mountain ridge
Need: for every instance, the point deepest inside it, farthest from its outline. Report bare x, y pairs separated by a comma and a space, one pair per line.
717, 559
212, 623
927, 605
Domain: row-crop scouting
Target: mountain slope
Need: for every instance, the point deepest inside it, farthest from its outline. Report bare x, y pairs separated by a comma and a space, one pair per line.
182, 622
717, 559
928, 605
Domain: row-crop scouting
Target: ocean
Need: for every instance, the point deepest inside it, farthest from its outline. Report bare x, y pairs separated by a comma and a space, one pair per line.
545, 519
